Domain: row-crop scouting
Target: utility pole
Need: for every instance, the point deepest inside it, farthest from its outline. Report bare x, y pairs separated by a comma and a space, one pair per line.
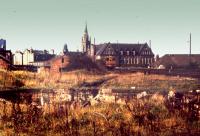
190, 48
190, 44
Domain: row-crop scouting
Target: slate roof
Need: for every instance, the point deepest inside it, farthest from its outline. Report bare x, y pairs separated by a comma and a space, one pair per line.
121, 47
19, 52
43, 57
5, 59
38, 51
178, 60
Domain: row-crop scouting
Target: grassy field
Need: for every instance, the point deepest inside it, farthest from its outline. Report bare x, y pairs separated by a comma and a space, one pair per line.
24, 79
149, 116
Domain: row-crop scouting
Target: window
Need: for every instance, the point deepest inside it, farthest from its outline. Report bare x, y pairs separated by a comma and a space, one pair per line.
127, 53
62, 60
133, 53
98, 57
152, 60
121, 61
121, 52
124, 60
109, 51
128, 60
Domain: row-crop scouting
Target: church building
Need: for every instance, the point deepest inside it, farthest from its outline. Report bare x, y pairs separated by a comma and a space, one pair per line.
118, 54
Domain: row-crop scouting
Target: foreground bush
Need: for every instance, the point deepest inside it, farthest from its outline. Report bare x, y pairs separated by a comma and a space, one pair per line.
147, 117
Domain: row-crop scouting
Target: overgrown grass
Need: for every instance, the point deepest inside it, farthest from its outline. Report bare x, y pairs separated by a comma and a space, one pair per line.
24, 79
148, 116
19, 79
30, 80
145, 117
151, 82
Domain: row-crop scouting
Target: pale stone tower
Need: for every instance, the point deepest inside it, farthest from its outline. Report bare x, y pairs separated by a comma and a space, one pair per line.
85, 41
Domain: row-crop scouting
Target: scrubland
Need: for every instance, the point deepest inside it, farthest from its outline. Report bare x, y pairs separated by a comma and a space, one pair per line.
143, 117
148, 116
29, 80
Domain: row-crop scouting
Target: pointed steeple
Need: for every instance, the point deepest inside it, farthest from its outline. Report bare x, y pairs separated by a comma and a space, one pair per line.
86, 31
86, 40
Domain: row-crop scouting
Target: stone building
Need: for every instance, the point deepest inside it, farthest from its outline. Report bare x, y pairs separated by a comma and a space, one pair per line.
124, 55
2, 44
18, 58
86, 41
32, 57
5, 55
118, 54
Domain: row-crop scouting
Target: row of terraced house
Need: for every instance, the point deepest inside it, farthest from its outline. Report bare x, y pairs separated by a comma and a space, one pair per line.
110, 55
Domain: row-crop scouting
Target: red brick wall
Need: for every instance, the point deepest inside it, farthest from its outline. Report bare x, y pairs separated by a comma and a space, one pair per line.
3, 64
57, 63
71, 62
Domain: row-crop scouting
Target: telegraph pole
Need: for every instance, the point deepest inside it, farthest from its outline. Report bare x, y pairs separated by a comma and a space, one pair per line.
190, 48
190, 44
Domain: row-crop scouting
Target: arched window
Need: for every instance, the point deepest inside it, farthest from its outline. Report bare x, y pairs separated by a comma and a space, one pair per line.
127, 53
121, 53
109, 51
62, 61
138, 61
133, 53
124, 60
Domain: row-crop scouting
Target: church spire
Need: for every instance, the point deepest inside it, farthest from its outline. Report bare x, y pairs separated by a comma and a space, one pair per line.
86, 40
86, 31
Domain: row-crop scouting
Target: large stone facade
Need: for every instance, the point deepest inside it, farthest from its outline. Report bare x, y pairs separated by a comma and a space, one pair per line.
124, 55
118, 54
18, 58
32, 57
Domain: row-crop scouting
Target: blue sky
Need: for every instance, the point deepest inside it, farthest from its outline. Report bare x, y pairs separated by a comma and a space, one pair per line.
49, 24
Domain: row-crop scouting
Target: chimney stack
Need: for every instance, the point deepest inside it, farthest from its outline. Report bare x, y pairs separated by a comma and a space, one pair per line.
150, 43
52, 51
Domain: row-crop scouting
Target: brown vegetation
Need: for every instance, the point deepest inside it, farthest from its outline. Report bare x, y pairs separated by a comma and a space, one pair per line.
147, 116
65, 80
